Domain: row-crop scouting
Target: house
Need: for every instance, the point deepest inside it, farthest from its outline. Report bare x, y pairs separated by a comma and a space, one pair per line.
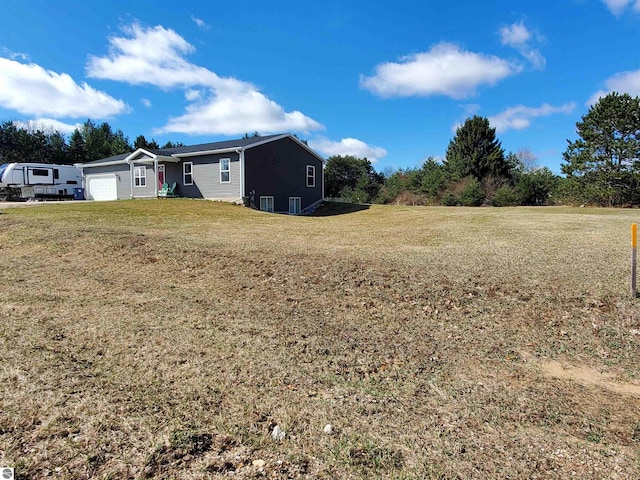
275, 173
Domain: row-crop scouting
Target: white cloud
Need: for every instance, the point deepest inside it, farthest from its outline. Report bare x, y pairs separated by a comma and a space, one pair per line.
193, 95
520, 117
518, 36
153, 56
624, 82
535, 58
31, 90
617, 7
233, 113
47, 125
156, 56
515, 35
348, 146
443, 70
146, 102
14, 55
202, 25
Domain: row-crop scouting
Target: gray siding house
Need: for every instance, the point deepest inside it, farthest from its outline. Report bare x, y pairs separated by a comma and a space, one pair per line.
275, 173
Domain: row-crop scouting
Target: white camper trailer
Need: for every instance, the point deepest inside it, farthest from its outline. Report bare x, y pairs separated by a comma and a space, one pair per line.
33, 181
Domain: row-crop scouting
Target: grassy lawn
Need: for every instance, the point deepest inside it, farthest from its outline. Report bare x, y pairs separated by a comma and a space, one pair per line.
167, 339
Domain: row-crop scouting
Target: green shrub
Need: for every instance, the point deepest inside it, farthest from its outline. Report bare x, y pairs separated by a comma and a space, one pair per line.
449, 200
505, 196
472, 195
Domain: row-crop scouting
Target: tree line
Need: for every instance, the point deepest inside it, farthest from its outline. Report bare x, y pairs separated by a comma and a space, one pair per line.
474, 172
601, 168
88, 142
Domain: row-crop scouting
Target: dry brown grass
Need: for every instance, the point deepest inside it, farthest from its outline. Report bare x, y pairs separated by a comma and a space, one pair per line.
166, 339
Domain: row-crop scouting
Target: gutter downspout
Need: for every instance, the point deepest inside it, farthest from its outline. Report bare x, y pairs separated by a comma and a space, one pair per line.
130, 178
242, 185
155, 167
323, 179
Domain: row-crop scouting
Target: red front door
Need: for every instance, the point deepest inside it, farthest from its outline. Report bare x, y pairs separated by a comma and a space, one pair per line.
160, 176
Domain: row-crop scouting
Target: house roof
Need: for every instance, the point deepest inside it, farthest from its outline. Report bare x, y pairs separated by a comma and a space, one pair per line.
115, 158
237, 143
207, 148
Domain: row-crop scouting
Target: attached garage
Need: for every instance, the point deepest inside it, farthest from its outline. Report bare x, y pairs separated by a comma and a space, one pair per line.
101, 187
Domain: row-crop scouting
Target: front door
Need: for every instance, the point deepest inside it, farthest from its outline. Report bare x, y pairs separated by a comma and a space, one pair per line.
161, 179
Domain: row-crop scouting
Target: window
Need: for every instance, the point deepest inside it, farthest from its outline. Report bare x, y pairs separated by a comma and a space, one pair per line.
187, 173
40, 172
266, 204
295, 205
225, 170
311, 176
56, 174
140, 176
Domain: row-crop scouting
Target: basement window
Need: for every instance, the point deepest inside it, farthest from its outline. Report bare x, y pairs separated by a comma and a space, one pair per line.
295, 205
266, 204
140, 176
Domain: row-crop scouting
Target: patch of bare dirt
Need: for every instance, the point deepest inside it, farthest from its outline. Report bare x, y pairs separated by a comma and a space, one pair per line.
588, 376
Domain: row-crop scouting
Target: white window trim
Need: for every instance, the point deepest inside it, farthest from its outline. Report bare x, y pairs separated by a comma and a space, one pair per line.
184, 173
312, 177
142, 179
266, 197
228, 171
299, 201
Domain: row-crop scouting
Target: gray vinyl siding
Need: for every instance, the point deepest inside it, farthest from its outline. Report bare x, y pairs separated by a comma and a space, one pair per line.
275, 168
149, 190
123, 177
173, 173
206, 178
279, 169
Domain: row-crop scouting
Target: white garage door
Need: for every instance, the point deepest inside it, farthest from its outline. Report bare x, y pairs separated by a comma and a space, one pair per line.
101, 187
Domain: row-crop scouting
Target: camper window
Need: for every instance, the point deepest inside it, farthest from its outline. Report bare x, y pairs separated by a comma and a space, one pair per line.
40, 172
56, 173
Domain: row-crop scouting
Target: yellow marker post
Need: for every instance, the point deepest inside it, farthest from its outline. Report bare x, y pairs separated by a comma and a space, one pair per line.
634, 246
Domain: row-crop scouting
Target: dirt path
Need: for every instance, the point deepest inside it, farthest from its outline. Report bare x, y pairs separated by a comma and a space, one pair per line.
588, 376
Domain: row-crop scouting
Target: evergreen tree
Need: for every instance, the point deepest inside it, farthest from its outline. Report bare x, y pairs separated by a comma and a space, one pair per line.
170, 144
102, 142
536, 186
432, 178
141, 142
347, 174
603, 166
58, 148
77, 147
475, 151
11, 143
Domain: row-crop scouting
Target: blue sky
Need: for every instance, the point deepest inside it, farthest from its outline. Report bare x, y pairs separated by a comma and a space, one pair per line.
385, 80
